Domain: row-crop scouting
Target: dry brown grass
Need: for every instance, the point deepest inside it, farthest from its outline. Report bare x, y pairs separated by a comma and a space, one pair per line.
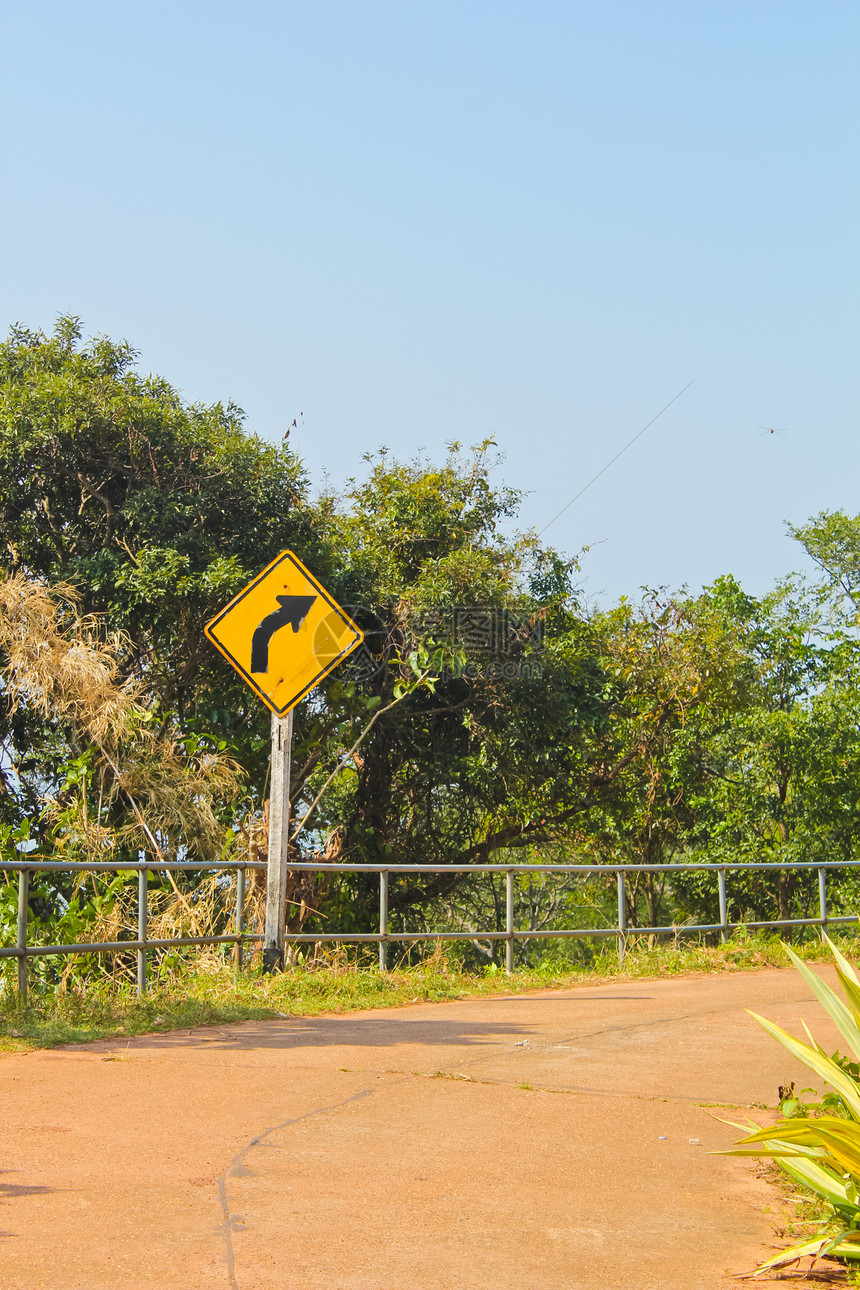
59, 663
62, 665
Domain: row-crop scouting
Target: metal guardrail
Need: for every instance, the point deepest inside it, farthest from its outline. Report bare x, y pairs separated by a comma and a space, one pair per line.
239, 937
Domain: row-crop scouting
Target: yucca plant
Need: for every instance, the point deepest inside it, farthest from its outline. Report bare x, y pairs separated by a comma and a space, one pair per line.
821, 1152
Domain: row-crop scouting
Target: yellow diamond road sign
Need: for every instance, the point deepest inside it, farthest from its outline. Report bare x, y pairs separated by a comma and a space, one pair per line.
283, 633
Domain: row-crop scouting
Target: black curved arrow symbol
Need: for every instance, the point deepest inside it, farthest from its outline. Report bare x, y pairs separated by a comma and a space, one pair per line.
294, 610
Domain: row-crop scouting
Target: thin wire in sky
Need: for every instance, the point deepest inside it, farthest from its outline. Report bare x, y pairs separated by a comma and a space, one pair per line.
618, 454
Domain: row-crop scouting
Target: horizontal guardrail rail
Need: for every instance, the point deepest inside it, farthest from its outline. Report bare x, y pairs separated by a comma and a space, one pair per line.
22, 951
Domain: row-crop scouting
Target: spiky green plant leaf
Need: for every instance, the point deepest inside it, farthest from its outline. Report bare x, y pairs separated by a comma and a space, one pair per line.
828, 1134
820, 1152
825, 1182
841, 1015
841, 961
823, 1066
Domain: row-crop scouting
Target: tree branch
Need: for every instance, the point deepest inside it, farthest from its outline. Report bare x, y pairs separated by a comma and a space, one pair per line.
347, 757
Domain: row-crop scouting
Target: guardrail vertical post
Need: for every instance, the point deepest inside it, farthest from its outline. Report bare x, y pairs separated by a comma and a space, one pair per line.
240, 913
724, 907
142, 877
509, 921
822, 900
622, 916
21, 945
383, 919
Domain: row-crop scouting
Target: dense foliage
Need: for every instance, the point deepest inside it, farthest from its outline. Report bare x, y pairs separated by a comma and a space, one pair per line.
490, 715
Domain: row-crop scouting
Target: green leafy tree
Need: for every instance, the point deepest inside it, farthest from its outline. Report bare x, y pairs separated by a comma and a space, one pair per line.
832, 540
456, 768
678, 675
154, 510
786, 782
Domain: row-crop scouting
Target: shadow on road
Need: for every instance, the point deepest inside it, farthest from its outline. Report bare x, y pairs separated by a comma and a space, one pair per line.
359, 1029
322, 1032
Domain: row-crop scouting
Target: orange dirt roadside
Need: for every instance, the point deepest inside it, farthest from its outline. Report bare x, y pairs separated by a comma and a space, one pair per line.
550, 1141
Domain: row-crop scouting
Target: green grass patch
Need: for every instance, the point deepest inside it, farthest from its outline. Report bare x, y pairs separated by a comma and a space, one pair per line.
209, 992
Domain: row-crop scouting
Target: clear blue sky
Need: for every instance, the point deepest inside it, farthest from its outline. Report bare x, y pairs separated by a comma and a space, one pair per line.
423, 222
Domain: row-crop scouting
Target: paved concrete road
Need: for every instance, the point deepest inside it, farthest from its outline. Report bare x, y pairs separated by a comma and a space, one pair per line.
552, 1141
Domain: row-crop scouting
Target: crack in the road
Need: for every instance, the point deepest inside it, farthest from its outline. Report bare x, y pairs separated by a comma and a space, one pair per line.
578, 1089
657, 1021
596, 1034
612, 1030
230, 1222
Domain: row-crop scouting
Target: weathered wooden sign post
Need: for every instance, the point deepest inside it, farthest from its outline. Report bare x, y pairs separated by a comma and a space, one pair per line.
281, 666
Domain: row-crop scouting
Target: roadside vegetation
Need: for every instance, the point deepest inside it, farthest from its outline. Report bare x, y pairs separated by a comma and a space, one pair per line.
817, 1144
493, 715
207, 991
